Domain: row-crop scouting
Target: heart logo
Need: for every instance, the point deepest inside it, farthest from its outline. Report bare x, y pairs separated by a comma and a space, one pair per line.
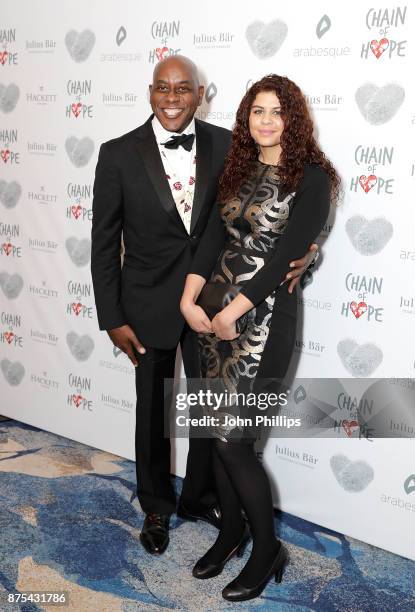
79, 44
360, 360
77, 399
11, 285
358, 308
76, 211
352, 476
8, 97
161, 53
378, 47
266, 39
9, 336
10, 193
369, 237
7, 247
76, 108
79, 150
5, 154
3, 57
379, 104
13, 372
349, 426
81, 347
77, 307
367, 182
79, 250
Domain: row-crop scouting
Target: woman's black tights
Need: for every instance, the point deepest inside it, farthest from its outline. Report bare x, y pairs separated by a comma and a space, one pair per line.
242, 482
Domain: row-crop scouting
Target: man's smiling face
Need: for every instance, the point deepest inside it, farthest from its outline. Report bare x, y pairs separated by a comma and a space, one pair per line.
175, 93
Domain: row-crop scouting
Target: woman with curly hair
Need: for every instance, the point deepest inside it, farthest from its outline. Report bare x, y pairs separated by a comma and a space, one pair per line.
274, 199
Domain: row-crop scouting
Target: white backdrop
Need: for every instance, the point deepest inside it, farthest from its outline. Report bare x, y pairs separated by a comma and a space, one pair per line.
74, 74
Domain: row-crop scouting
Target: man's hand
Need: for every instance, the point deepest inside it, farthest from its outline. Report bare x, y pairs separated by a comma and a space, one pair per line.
196, 318
224, 326
299, 266
125, 339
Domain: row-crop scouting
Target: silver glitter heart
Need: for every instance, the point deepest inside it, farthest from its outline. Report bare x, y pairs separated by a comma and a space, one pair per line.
79, 44
13, 371
81, 347
8, 97
265, 39
352, 476
360, 360
10, 193
379, 104
11, 284
79, 250
369, 237
79, 150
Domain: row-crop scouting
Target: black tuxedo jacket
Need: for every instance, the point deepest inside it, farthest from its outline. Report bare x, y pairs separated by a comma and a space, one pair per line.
132, 199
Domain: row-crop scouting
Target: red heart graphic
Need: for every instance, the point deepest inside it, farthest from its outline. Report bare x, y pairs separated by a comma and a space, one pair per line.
77, 307
9, 336
76, 211
7, 247
349, 426
191, 180
378, 47
367, 182
3, 57
5, 154
358, 308
160, 52
77, 399
178, 186
187, 207
76, 108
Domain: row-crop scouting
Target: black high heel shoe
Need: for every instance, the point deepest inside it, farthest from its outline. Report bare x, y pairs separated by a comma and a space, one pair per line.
235, 591
206, 569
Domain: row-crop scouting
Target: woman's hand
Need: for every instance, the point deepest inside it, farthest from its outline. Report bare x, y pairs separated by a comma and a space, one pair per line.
224, 327
196, 317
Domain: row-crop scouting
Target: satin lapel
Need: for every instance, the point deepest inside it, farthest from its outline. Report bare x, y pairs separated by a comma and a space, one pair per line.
203, 169
150, 155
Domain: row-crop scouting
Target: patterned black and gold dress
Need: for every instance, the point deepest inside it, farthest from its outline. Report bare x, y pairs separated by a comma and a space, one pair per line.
249, 241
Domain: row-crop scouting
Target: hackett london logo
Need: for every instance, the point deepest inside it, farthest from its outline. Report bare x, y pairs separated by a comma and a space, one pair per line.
43, 291
76, 209
374, 181
78, 306
379, 104
369, 236
163, 31
44, 381
10, 193
79, 150
79, 390
42, 196
362, 286
360, 360
9, 95
265, 39
79, 44
8, 57
8, 153
41, 97
78, 107
382, 21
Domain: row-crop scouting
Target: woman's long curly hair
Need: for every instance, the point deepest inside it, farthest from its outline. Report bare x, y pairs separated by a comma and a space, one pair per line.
298, 145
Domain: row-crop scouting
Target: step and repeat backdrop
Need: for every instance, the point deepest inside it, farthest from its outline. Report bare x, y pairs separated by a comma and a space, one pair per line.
75, 74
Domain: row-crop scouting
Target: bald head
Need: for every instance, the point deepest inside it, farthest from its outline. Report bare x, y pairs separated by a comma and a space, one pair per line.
175, 92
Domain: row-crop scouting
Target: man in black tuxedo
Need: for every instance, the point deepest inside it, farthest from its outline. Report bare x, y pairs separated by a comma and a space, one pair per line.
155, 187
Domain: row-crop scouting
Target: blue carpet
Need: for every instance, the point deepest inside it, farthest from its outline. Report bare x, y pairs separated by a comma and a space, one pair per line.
70, 520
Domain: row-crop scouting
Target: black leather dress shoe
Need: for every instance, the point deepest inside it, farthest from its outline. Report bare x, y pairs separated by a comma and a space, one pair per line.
206, 569
236, 591
211, 515
154, 535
